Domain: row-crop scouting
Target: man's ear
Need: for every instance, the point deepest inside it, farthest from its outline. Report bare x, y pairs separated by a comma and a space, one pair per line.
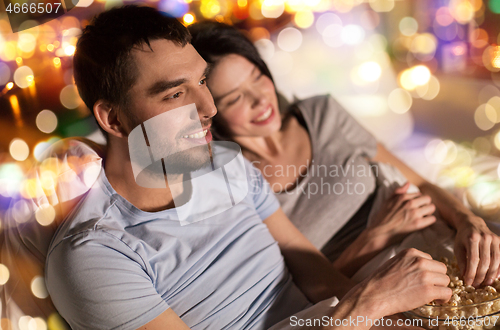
107, 117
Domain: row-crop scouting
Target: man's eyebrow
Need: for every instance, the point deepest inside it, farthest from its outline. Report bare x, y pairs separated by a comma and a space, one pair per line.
234, 89
164, 85
208, 68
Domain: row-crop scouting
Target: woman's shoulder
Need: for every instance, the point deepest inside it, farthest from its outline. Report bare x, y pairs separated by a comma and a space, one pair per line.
318, 110
316, 102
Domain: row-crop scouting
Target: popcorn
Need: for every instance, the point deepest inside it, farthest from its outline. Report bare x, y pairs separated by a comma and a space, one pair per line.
467, 308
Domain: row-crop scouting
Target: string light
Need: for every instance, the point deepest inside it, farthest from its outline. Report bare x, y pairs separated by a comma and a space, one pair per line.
188, 18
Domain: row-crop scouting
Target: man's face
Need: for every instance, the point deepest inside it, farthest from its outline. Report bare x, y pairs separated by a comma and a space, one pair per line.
170, 77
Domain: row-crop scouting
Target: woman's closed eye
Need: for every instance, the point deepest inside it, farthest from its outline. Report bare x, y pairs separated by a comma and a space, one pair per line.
233, 101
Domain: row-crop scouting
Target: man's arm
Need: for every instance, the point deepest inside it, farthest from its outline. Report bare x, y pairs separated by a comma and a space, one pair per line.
312, 272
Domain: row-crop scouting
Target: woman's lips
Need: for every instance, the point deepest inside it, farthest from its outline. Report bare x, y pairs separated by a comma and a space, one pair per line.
265, 117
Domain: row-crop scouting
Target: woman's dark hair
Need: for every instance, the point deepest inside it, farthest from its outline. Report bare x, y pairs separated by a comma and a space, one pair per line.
103, 67
214, 40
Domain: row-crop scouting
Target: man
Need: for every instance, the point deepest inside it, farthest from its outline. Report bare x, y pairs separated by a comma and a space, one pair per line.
125, 260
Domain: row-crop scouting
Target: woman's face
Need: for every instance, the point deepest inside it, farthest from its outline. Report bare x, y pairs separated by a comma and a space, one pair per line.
245, 98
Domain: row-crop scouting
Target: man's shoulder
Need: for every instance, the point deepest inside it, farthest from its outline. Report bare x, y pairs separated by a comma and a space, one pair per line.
87, 217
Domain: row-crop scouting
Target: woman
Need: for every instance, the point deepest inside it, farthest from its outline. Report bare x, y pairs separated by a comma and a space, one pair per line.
317, 159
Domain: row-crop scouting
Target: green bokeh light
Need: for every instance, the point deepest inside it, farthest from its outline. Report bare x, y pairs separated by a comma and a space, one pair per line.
495, 6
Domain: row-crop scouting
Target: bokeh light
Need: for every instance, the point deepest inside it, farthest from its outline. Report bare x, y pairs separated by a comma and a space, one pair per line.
496, 140
485, 117
19, 149
21, 211
90, 174
400, 101
326, 20
38, 287
491, 58
494, 6
69, 97
11, 176
55, 322
370, 71
45, 214
26, 42
188, 19
441, 152
424, 43
289, 39
304, 18
38, 323
481, 145
479, 38
352, 34
9, 51
84, 3
420, 75
416, 76
487, 92
5, 323
265, 48
430, 90
4, 73
177, 8
46, 121
494, 102
4, 274
39, 150
273, 8
69, 50
332, 35
443, 16
281, 63
382, 5
258, 32
408, 26
23, 76
48, 181
462, 11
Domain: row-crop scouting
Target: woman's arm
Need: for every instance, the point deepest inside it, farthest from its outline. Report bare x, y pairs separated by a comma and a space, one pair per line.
398, 216
477, 249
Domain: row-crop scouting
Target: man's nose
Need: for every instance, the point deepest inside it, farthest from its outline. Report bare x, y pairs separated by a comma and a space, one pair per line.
205, 105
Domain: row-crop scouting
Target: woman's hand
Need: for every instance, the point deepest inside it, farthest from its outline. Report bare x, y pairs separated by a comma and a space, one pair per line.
402, 214
477, 250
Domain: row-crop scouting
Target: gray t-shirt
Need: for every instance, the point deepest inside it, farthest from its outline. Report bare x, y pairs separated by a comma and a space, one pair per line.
113, 266
339, 179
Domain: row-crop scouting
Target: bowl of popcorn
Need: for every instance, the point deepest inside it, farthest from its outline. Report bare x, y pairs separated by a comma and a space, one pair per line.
469, 308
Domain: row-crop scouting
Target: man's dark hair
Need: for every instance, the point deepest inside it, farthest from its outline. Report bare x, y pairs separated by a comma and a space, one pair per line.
103, 67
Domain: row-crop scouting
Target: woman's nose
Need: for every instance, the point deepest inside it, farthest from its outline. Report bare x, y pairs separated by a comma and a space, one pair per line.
259, 99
